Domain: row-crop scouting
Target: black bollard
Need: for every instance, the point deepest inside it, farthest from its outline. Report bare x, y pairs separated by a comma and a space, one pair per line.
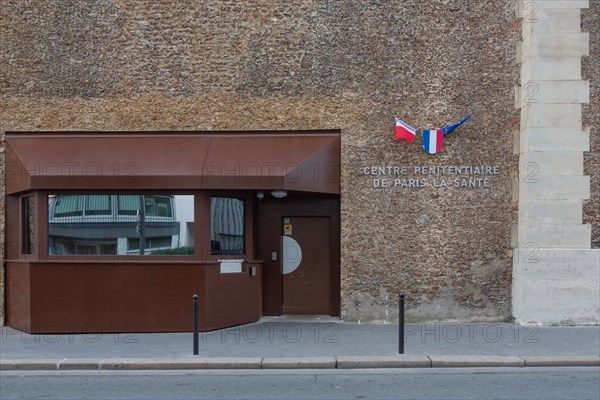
401, 325
196, 344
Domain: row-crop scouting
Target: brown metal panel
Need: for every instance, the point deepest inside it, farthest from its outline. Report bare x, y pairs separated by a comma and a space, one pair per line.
175, 161
230, 299
18, 299
135, 297
269, 241
267, 162
109, 161
17, 176
12, 249
113, 297
321, 169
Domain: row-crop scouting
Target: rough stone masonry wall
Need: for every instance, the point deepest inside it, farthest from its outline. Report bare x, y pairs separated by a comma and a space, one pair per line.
329, 64
590, 22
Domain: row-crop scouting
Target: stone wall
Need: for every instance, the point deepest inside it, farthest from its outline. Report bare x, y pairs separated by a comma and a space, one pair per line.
590, 22
349, 65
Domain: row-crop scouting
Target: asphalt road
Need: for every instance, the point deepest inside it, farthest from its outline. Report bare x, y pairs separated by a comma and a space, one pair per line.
468, 383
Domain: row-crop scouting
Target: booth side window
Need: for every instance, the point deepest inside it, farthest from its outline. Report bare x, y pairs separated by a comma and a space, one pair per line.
227, 226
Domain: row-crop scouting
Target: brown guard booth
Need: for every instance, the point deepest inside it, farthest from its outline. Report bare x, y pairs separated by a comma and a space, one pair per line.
50, 293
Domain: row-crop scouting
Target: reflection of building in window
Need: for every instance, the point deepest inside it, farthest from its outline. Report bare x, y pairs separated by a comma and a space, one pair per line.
154, 206
227, 226
113, 224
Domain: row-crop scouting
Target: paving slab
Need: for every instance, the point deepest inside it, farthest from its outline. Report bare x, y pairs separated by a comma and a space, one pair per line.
399, 361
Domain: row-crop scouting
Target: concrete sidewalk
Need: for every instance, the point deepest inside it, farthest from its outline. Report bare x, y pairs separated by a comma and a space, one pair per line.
309, 343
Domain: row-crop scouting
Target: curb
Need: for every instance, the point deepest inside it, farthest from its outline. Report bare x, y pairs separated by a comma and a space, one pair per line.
561, 361
179, 363
299, 363
399, 361
476, 361
339, 362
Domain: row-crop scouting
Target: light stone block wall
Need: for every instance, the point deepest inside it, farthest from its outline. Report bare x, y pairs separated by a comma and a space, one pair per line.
556, 286
549, 163
552, 187
555, 272
551, 68
554, 45
544, 115
554, 91
553, 140
553, 211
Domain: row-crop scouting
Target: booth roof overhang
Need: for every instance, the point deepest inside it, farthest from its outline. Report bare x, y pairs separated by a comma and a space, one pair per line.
307, 161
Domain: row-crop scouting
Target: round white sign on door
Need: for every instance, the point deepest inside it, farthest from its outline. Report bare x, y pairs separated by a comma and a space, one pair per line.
292, 255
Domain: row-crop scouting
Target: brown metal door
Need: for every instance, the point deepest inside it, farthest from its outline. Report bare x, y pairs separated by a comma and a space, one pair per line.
307, 266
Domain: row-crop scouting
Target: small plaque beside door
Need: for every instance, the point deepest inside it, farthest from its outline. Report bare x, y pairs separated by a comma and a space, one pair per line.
230, 266
287, 229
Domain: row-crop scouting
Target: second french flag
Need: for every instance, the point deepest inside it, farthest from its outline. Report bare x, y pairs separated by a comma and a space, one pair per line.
433, 141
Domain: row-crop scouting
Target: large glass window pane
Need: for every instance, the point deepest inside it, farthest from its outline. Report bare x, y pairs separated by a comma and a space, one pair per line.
69, 206
128, 204
227, 226
166, 227
98, 205
158, 206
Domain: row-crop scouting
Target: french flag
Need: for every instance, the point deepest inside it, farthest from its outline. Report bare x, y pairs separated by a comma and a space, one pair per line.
404, 131
433, 141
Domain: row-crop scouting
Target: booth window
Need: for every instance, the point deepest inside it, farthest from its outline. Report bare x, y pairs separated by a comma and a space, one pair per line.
227, 226
109, 224
28, 225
